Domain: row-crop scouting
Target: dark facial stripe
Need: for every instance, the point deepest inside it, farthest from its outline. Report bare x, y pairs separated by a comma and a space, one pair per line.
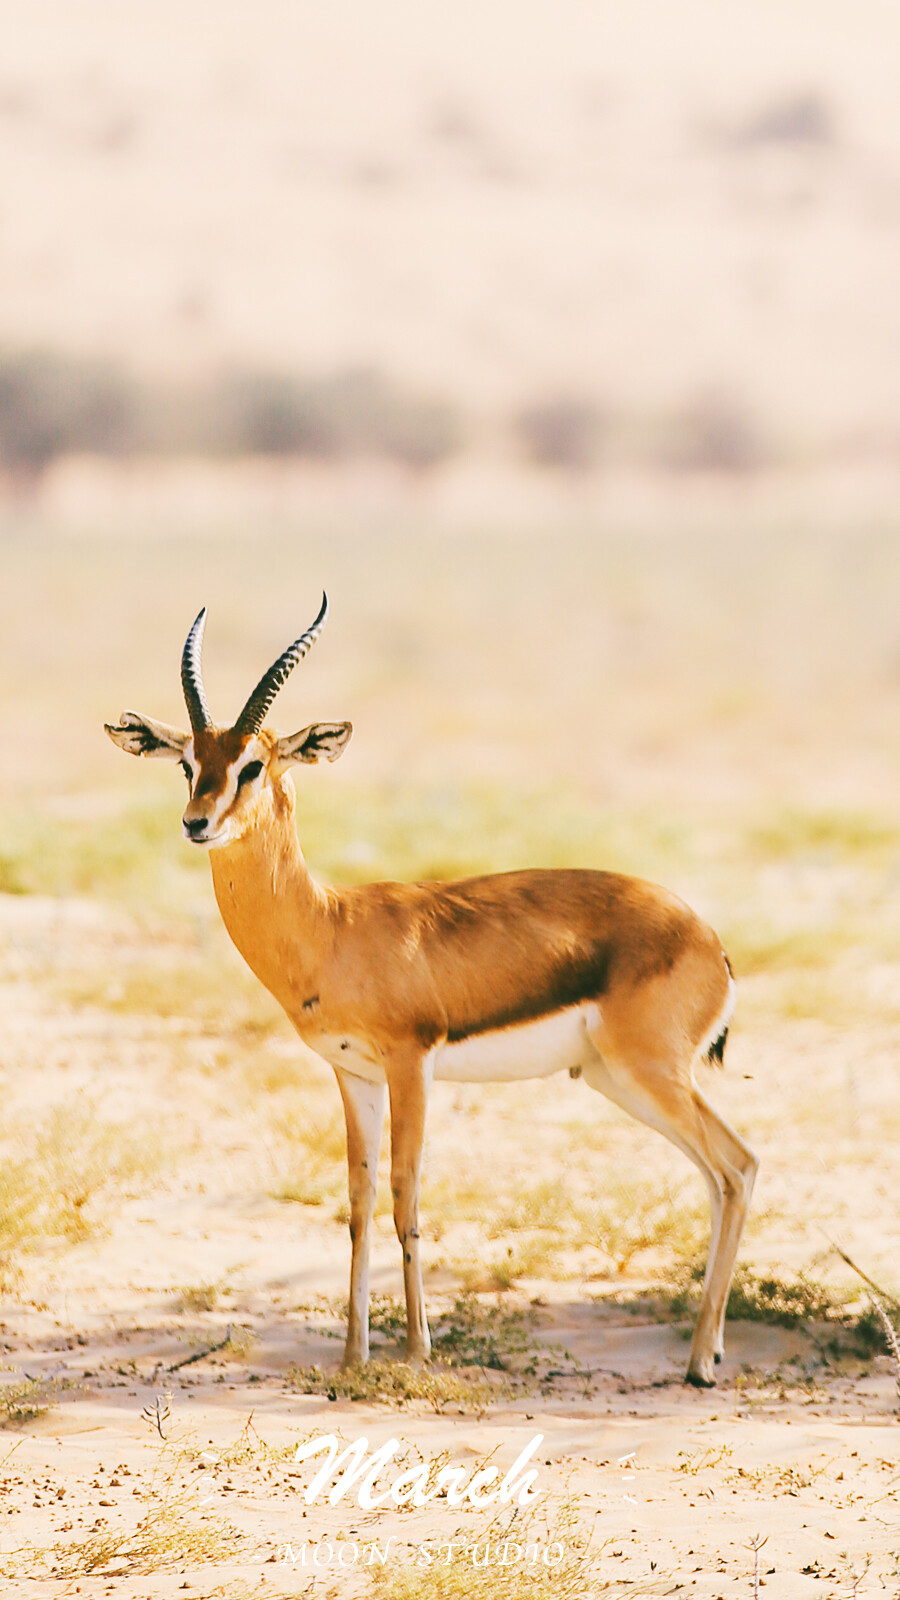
216, 750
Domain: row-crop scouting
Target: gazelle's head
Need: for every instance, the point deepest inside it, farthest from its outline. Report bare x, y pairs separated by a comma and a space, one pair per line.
228, 769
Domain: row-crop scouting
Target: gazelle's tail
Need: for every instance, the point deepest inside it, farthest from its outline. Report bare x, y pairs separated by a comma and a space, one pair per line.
713, 1051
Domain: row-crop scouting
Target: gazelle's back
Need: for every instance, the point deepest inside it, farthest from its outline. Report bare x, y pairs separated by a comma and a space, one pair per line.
510, 948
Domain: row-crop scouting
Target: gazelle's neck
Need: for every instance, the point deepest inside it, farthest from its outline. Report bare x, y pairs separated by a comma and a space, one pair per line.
276, 915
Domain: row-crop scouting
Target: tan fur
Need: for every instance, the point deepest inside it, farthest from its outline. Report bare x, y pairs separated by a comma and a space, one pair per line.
382, 977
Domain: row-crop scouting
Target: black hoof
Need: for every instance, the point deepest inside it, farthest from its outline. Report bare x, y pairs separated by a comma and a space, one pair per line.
696, 1382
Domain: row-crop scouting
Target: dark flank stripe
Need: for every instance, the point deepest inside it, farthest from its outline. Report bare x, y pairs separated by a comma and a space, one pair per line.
567, 988
576, 933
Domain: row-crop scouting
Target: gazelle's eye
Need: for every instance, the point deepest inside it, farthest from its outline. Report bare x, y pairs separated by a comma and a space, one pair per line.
187, 772
249, 772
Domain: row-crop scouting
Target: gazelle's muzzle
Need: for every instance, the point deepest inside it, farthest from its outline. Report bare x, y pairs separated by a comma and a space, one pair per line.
195, 829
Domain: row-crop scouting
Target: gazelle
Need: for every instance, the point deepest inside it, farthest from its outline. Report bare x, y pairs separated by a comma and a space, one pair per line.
499, 978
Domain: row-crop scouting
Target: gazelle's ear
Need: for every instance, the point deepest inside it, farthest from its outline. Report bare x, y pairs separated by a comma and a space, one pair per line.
141, 736
323, 739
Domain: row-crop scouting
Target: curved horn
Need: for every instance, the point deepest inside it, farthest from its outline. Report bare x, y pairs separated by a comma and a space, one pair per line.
192, 676
252, 717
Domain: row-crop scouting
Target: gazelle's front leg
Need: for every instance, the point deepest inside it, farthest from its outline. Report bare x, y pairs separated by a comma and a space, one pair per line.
408, 1084
364, 1115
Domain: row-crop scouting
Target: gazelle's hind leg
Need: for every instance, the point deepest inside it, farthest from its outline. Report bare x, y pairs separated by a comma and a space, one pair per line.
664, 1095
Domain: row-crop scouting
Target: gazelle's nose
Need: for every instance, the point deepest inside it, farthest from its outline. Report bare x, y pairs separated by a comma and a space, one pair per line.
196, 827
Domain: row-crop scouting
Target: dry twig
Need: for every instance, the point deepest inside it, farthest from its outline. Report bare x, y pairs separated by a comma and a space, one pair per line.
756, 1544
200, 1355
157, 1414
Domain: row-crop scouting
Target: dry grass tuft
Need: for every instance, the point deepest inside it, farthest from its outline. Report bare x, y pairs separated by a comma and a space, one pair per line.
473, 1334
22, 1402
470, 1340
789, 1303
199, 1297
68, 1169
172, 1532
890, 1334
518, 1555
166, 1537
438, 1386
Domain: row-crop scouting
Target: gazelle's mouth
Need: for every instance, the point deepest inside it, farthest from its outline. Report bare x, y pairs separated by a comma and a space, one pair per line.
205, 839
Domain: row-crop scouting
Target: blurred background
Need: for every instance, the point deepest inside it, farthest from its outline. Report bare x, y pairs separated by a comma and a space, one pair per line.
565, 351
561, 344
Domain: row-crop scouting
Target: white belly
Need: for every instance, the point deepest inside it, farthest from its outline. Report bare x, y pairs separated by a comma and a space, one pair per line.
529, 1050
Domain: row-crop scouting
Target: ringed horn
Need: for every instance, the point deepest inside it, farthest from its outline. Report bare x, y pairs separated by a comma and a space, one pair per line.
253, 715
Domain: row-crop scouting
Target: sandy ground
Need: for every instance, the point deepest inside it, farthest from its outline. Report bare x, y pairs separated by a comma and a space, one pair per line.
796, 1445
